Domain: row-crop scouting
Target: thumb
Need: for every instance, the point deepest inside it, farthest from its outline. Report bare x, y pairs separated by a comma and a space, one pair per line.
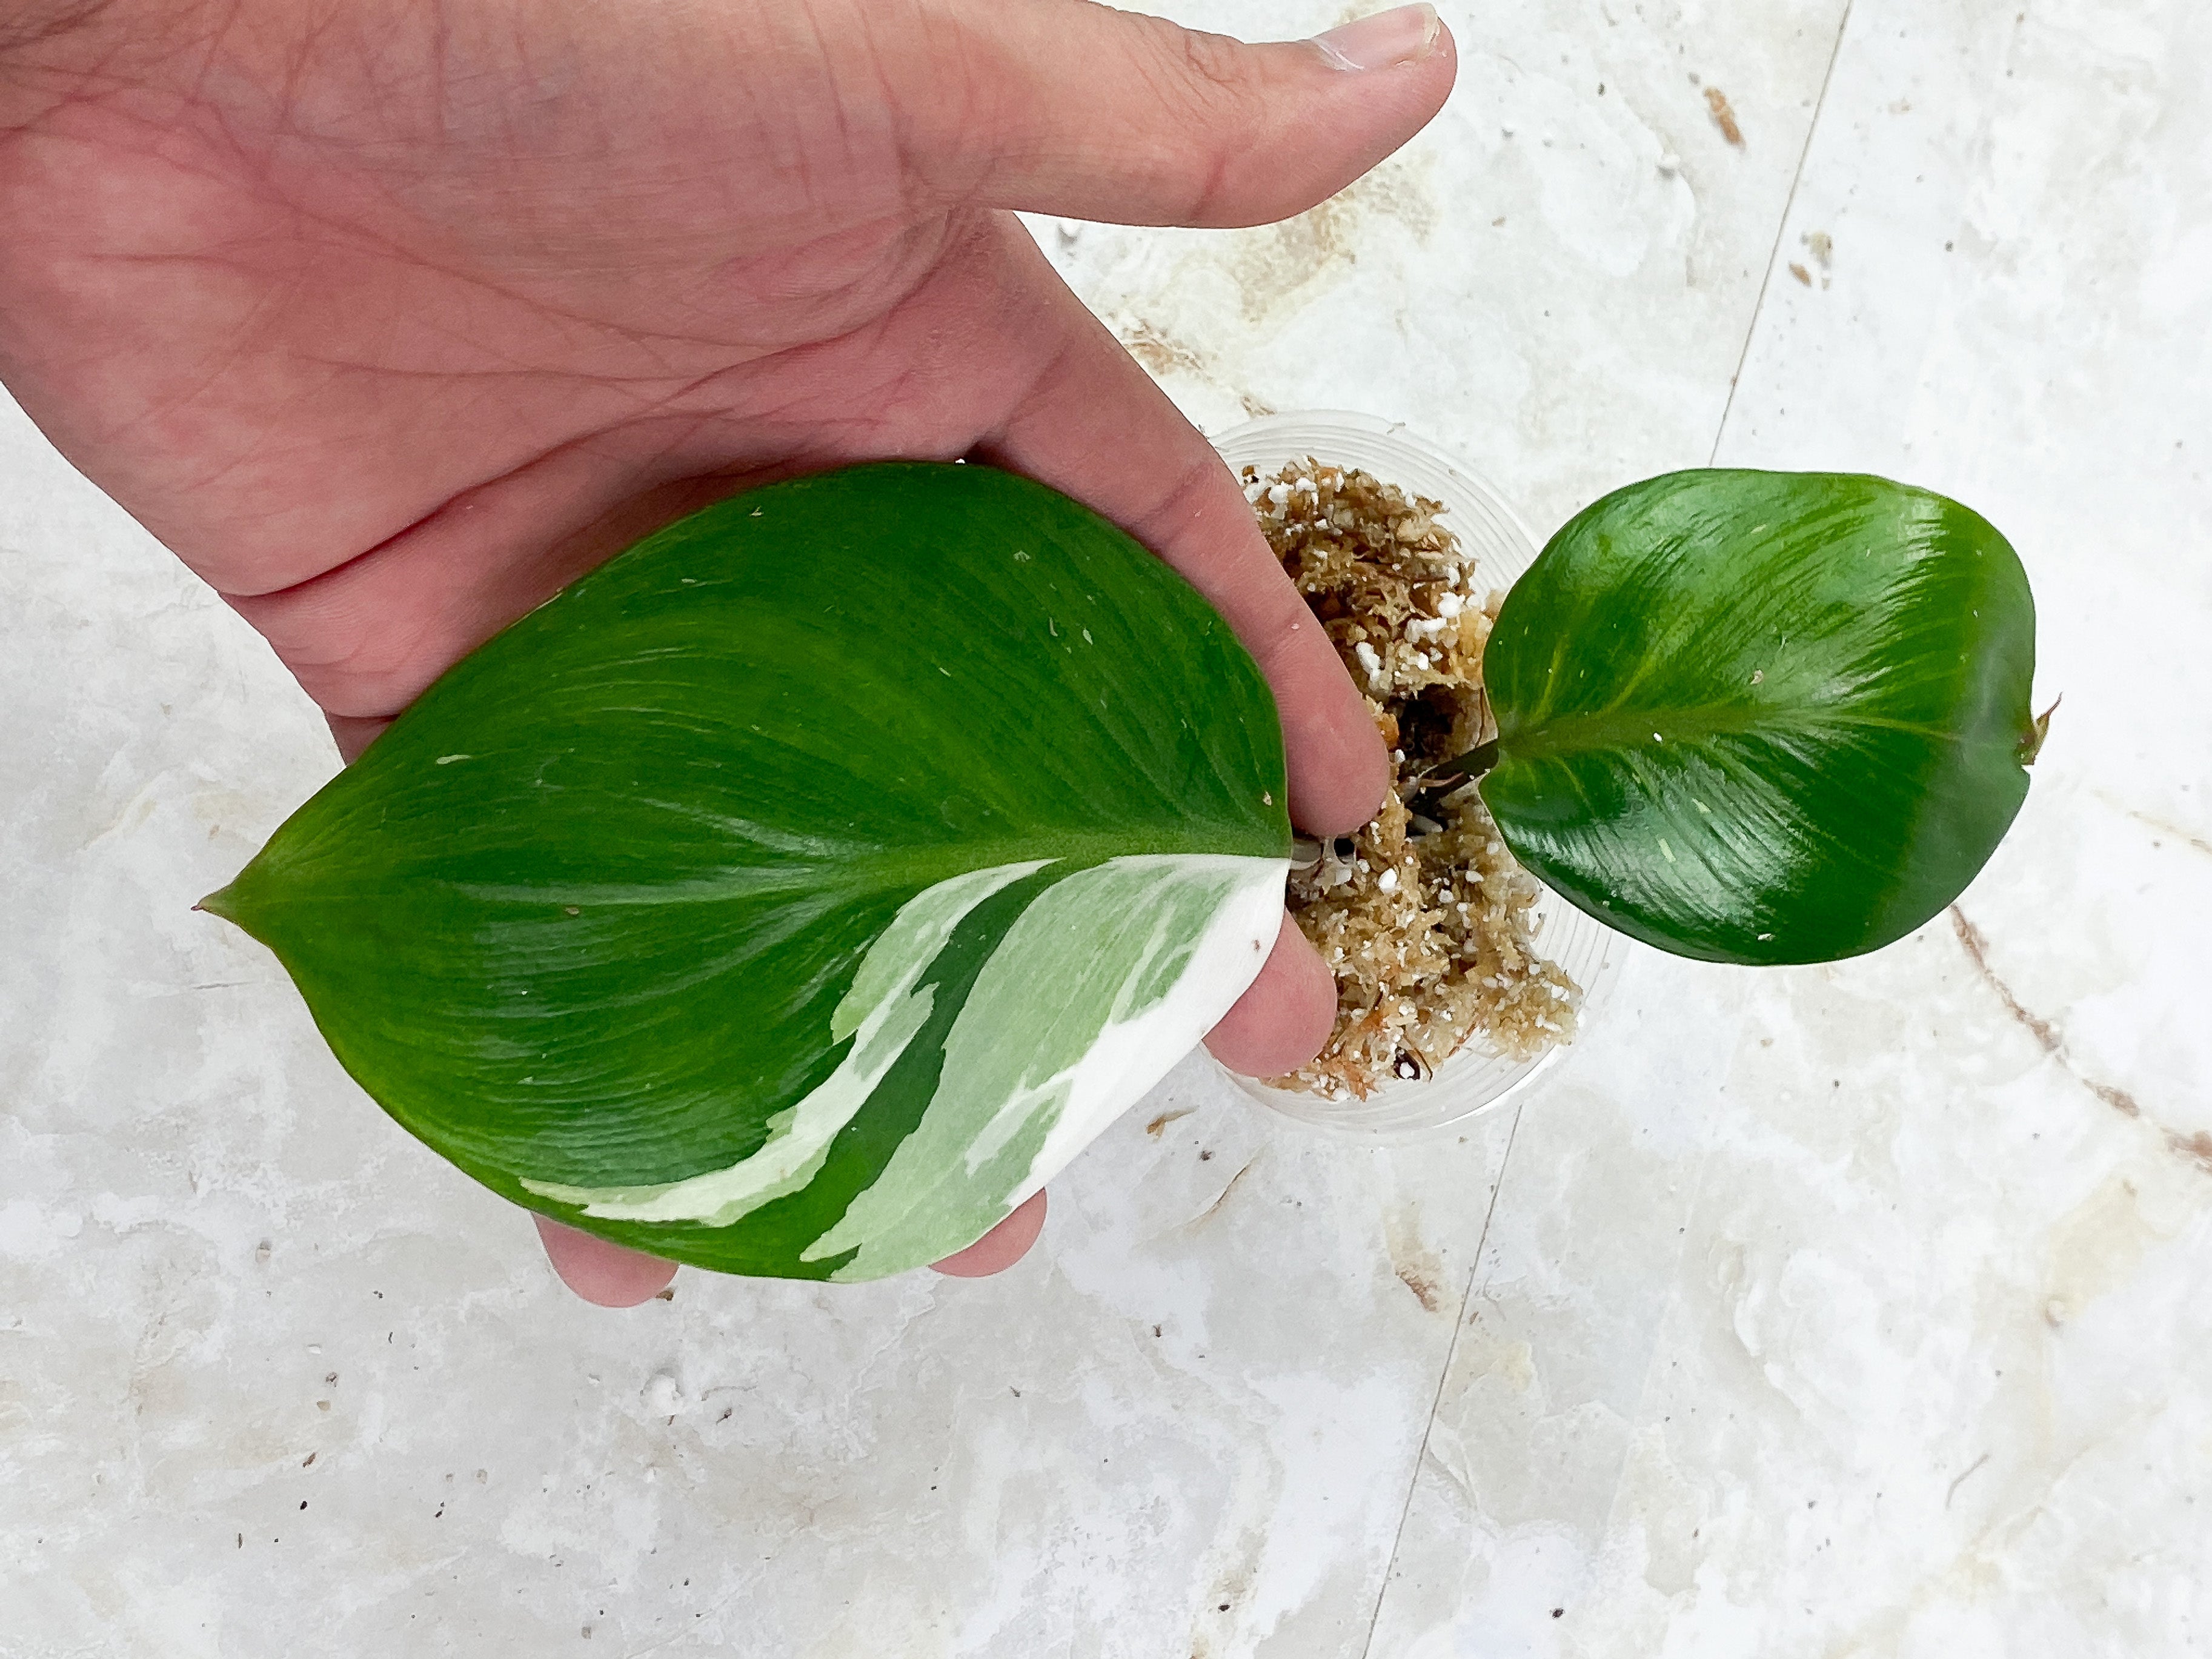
1074, 109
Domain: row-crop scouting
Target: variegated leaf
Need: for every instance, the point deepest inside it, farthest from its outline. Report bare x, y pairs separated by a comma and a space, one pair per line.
801, 891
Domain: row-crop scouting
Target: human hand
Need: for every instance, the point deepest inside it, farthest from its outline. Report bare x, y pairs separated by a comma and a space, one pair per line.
391, 320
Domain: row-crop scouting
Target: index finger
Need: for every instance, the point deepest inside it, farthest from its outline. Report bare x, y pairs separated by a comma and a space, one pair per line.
1093, 425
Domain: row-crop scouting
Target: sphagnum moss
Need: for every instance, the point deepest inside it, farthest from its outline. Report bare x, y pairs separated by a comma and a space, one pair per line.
1423, 916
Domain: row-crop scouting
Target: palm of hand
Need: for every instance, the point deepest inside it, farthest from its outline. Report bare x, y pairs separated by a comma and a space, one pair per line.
386, 386
393, 329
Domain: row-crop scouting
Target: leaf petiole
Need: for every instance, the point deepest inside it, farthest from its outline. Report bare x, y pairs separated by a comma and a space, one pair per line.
1460, 769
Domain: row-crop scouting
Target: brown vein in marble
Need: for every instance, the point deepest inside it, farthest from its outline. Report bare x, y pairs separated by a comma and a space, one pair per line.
1425, 1290
1218, 1197
2194, 1148
2043, 1030
1162, 354
2197, 842
1952, 1491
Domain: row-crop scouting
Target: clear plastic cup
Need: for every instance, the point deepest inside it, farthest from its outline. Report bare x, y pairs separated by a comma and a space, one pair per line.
1477, 1078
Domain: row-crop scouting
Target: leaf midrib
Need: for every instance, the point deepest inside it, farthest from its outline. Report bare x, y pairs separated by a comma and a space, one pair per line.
887, 869
1618, 728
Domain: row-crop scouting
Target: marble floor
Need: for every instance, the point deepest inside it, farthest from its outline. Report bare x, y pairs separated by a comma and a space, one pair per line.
1853, 1312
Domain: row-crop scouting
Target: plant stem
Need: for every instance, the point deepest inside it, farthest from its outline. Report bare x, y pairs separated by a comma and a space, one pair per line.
1465, 768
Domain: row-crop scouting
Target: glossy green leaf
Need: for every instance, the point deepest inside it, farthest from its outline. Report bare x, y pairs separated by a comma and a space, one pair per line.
800, 891
1763, 717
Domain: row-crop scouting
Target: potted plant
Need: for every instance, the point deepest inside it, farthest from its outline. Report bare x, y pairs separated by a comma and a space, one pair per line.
800, 891
1459, 976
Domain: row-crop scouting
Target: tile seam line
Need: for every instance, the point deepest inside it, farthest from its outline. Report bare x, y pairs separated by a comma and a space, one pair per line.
1443, 1376
1789, 207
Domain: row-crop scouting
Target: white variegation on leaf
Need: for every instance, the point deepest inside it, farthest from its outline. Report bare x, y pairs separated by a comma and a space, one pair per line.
1052, 1044
881, 1014
824, 874
1107, 980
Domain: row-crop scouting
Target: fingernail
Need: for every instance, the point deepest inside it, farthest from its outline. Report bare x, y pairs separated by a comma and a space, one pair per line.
1386, 41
